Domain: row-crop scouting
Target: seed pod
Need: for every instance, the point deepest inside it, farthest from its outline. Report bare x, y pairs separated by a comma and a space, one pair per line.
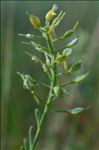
44, 68
48, 63
67, 51
56, 91
72, 43
81, 77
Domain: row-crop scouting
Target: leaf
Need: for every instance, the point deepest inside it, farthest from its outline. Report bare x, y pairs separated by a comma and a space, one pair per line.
72, 43
37, 116
77, 110
81, 77
75, 67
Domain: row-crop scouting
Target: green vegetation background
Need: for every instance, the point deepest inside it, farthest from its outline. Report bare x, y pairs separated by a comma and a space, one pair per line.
61, 131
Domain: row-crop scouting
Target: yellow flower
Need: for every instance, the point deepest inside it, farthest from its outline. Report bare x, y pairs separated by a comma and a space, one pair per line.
62, 60
35, 21
49, 16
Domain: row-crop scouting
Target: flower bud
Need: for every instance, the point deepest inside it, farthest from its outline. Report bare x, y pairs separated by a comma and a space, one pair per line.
48, 63
49, 16
35, 21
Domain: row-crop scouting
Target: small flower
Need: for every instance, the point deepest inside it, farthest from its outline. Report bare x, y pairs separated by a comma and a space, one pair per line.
35, 21
49, 16
62, 60
51, 32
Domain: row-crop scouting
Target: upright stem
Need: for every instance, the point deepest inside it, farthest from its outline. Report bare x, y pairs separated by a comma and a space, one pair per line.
49, 100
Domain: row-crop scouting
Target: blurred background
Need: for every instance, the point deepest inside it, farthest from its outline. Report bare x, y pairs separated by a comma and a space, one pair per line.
61, 131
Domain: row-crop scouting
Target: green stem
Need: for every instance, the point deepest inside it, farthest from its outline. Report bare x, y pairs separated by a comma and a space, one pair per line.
46, 109
49, 100
67, 83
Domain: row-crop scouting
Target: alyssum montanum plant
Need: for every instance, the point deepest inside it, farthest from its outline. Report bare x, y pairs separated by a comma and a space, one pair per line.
53, 58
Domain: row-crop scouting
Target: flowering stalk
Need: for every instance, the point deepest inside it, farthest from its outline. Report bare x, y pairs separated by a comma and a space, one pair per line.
53, 58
